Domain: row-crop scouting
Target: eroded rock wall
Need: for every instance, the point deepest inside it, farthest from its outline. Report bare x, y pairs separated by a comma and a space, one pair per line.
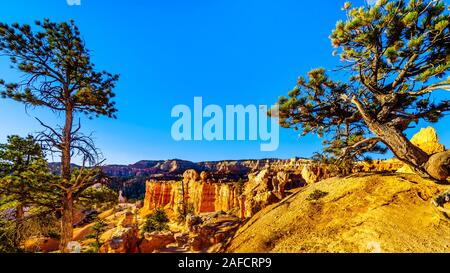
244, 198
201, 196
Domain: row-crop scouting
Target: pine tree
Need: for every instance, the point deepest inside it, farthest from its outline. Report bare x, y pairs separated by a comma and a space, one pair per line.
25, 178
59, 75
26, 182
98, 229
396, 55
157, 221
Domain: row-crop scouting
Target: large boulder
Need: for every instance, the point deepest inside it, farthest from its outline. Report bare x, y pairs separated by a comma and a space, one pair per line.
267, 187
427, 140
156, 240
437, 165
123, 240
313, 173
212, 231
283, 181
257, 193
259, 201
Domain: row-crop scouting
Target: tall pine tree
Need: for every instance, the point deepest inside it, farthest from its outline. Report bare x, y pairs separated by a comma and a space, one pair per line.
58, 74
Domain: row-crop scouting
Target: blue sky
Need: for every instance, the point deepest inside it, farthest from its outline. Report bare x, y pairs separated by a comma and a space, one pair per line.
168, 51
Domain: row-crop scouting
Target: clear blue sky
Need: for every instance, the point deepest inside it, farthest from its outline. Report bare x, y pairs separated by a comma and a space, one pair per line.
168, 51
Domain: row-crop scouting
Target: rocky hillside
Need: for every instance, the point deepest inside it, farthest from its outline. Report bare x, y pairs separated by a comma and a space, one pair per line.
361, 213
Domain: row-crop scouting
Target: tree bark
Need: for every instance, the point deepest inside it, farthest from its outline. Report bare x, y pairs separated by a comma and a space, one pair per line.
66, 222
436, 167
19, 211
400, 145
67, 199
66, 147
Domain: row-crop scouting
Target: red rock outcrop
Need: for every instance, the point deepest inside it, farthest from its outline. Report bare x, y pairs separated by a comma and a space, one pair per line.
204, 194
124, 238
265, 188
207, 198
267, 182
160, 195
210, 231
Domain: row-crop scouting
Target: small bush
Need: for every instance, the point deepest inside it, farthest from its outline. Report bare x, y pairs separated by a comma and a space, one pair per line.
156, 221
316, 195
97, 230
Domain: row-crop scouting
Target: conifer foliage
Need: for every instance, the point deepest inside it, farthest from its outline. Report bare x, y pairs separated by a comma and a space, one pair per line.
395, 62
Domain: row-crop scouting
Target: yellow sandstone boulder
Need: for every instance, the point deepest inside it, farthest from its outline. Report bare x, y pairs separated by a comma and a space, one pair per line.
427, 140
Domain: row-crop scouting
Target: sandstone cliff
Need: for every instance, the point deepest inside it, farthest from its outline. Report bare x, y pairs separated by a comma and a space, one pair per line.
205, 193
202, 196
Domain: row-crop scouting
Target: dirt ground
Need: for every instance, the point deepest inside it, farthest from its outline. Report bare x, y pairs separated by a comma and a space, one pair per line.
358, 214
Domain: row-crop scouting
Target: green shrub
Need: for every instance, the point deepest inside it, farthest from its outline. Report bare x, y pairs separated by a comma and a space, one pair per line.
97, 230
157, 221
8, 243
316, 195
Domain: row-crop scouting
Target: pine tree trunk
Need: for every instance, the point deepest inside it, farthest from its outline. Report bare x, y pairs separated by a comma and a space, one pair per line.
67, 202
66, 222
400, 145
19, 212
436, 166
